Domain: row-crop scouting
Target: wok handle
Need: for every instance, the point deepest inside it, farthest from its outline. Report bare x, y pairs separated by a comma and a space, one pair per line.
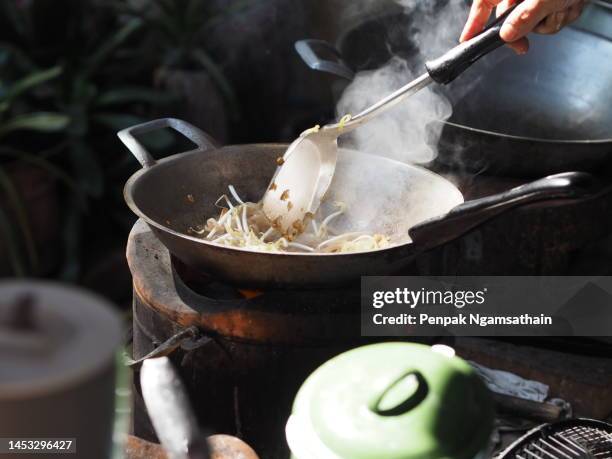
453, 63
200, 138
306, 50
466, 216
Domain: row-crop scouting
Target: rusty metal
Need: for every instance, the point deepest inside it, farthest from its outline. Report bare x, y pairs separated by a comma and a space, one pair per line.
221, 447
189, 338
136, 448
228, 447
275, 317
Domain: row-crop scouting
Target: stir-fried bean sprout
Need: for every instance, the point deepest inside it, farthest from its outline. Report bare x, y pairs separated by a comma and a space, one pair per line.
244, 224
345, 119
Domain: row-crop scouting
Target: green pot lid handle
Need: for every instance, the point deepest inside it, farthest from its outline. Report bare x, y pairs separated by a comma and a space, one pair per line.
391, 401
402, 395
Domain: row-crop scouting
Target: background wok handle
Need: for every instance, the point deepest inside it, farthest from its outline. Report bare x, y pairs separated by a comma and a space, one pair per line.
453, 63
466, 216
127, 136
307, 51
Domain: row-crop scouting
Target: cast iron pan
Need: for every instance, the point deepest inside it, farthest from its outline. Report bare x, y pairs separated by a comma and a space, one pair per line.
158, 193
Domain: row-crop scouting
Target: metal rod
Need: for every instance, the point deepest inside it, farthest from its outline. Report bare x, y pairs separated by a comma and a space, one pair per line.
555, 449
385, 104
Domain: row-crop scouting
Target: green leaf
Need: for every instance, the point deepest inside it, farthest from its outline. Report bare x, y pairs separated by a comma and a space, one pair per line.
134, 94
111, 44
30, 82
40, 121
20, 212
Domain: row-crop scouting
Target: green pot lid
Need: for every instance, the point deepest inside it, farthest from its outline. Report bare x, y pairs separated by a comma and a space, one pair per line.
391, 401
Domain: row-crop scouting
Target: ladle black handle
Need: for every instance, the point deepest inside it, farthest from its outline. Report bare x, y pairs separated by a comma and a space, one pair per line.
466, 216
453, 63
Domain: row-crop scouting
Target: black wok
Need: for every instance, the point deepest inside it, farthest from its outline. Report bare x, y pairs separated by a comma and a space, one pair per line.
522, 116
179, 192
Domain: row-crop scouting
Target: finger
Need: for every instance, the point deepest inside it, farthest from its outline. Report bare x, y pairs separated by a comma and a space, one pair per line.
479, 15
526, 17
503, 6
552, 23
521, 46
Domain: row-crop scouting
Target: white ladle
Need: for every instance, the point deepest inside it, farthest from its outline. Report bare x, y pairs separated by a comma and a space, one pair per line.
306, 170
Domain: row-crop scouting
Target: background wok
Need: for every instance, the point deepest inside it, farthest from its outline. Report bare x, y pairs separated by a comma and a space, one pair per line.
523, 116
406, 196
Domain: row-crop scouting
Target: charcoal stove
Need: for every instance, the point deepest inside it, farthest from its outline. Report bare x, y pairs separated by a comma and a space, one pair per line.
255, 348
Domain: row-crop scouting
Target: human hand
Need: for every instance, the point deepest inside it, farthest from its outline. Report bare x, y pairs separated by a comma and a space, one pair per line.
540, 16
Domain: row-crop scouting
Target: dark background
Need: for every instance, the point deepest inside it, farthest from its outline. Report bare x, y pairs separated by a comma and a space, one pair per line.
74, 72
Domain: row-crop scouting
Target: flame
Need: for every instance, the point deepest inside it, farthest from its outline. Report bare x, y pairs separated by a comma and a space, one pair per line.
250, 294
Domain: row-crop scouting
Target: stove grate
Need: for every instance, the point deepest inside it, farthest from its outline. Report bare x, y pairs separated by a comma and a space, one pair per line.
570, 439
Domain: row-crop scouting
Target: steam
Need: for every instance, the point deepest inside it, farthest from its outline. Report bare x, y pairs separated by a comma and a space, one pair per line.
439, 24
402, 133
407, 132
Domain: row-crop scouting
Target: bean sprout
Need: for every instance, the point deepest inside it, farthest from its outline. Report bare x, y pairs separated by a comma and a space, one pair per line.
345, 119
235, 195
229, 203
300, 246
267, 233
245, 225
